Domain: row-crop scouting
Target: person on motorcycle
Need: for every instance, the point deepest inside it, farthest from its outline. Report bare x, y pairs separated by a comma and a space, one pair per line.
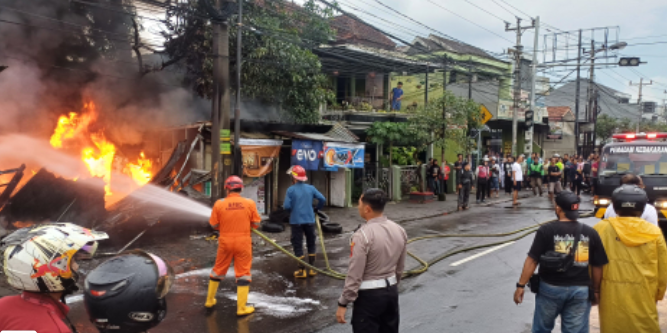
41, 261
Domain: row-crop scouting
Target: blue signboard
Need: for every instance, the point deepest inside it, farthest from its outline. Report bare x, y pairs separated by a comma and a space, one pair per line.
307, 154
343, 155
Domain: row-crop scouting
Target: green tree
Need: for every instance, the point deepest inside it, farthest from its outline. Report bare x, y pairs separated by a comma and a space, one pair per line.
278, 65
388, 134
605, 127
448, 118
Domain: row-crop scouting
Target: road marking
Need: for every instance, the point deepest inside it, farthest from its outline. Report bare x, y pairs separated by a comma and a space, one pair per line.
475, 256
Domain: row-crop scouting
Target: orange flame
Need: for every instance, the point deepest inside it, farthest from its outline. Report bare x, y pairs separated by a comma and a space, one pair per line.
21, 225
99, 161
141, 171
99, 156
70, 126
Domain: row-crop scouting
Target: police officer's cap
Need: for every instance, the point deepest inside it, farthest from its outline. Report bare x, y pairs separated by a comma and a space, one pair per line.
629, 200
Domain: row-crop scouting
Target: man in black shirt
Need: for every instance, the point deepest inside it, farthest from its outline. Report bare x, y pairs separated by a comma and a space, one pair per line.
507, 169
554, 173
433, 176
458, 166
564, 293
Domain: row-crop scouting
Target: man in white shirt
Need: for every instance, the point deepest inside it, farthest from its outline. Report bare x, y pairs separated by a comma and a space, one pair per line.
650, 214
517, 178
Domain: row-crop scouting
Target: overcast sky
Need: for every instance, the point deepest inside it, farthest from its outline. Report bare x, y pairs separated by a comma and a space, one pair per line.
639, 22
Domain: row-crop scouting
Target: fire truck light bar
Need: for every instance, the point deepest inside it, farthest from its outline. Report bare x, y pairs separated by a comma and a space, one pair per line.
633, 136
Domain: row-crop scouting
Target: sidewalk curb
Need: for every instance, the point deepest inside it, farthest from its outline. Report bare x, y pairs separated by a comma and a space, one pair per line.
456, 210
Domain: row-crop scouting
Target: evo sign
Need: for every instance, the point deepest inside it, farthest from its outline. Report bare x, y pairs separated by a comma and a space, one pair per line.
307, 154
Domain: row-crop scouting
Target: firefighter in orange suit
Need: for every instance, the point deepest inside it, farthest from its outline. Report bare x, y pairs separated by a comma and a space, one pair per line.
234, 217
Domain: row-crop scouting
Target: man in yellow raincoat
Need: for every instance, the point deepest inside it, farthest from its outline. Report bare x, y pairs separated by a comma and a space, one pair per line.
636, 276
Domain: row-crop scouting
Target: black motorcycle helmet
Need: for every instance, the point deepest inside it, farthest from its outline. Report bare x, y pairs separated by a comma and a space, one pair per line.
127, 293
629, 200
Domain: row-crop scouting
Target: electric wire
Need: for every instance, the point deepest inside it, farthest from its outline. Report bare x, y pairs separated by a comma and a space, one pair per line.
486, 11
469, 21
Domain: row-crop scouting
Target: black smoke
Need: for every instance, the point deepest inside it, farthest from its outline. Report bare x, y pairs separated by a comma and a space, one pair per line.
64, 53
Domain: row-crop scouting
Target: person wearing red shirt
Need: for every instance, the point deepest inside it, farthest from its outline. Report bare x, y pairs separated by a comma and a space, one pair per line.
41, 262
445, 174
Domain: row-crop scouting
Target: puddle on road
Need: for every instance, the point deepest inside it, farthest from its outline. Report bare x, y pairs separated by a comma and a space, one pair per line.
279, 306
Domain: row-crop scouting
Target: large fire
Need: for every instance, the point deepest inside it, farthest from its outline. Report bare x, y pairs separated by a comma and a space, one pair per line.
97, 152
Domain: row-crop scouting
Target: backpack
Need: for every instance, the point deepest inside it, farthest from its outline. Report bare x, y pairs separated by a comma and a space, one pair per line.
508, 168
587, 168
483, 171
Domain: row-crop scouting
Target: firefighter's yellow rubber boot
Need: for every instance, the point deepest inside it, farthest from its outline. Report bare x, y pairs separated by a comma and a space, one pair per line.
242, 300
212, 290
311, 261
301, 273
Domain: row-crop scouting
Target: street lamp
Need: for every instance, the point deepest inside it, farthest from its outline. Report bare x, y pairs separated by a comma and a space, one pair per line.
618, 46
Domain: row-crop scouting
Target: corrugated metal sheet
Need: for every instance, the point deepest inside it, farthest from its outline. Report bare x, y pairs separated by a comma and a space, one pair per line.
306, 136
337, 134
342, 134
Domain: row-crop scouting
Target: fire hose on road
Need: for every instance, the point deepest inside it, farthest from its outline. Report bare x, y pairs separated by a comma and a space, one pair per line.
523, 232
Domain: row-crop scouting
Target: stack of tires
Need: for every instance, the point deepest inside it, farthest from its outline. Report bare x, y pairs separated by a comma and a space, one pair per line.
280, 217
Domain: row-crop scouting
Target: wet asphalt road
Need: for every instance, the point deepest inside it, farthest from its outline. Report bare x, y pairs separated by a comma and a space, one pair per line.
475, 296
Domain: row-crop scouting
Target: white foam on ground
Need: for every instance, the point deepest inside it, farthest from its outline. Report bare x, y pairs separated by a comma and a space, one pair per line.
279, 306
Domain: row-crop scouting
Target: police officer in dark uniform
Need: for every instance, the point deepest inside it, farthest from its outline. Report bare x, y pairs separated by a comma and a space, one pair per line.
378, 250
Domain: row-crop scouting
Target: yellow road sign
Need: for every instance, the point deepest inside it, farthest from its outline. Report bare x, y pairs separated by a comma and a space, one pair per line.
486, 115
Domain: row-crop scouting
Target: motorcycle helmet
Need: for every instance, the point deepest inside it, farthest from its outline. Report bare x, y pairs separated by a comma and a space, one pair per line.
38, 258
127, 293
629, 200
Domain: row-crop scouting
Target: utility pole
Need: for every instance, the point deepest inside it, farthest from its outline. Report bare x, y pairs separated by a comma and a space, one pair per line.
639, 101
221, 162
518, 51
426, 86
536, 44
592, 94
444, 107
470, 81
576, 97
238, 157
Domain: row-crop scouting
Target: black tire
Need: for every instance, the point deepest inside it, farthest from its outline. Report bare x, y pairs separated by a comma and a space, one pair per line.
271, 227
279, 216
332, 228
324, 218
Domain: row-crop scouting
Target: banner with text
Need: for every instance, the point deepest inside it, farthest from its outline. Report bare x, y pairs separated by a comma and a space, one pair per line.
343, 155
307, 154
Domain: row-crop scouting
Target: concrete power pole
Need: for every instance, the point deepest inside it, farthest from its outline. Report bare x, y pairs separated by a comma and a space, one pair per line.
639, 101
221, 161
530, 133
517, 51
238, 158
576, 97
592, 91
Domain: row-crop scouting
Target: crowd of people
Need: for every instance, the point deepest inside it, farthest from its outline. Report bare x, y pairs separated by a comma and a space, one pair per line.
514, 174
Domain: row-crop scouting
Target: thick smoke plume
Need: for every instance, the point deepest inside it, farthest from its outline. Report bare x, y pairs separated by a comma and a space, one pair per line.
61, 54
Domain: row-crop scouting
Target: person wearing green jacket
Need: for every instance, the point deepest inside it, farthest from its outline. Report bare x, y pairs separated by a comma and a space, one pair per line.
535, 172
